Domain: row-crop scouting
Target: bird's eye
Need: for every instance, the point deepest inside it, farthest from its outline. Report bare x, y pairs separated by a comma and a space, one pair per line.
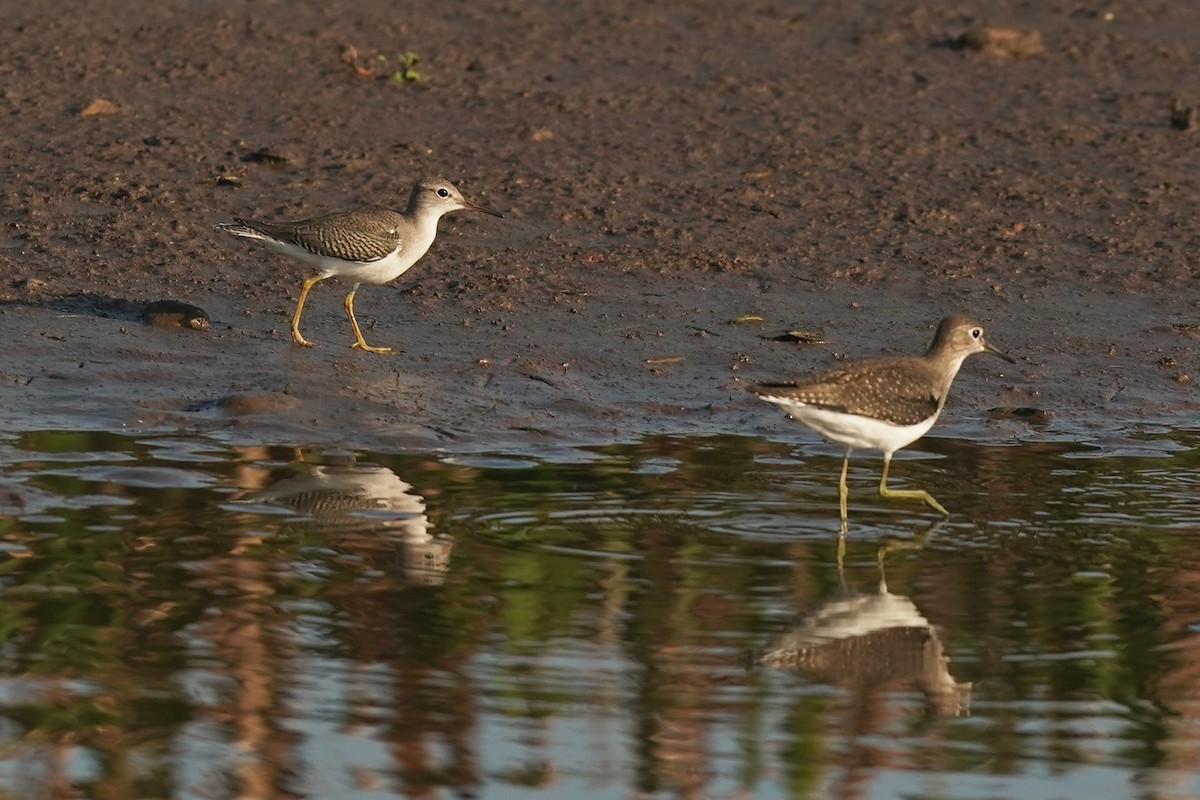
976, 333
443, 191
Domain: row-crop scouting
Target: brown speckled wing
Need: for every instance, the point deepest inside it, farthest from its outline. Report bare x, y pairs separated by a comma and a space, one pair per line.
366, 235
897, 391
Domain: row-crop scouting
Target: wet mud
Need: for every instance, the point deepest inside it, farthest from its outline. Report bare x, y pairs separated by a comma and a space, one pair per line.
666, 170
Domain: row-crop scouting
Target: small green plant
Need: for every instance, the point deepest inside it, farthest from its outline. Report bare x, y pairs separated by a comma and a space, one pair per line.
398, 69
405, 67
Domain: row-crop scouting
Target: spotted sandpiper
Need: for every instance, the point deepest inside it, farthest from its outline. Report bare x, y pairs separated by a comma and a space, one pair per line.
882, 404
370, 245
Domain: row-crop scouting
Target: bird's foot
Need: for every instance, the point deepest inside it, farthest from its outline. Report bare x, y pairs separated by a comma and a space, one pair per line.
915, 494
362, 345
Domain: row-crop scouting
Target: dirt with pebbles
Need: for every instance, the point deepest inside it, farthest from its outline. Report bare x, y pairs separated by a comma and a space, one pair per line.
846, 168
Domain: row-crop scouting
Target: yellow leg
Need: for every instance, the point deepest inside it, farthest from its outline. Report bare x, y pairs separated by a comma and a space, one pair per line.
915, 494
308, 284
844, 492
360, 342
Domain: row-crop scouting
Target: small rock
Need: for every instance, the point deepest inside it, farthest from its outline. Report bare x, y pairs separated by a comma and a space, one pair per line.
1183, 113
800, 337
1034, 416
998, 40
100, 107
266, 156
758, 173
174, 314
1188, 329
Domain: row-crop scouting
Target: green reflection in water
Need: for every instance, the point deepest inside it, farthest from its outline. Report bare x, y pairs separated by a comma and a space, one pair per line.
190, 620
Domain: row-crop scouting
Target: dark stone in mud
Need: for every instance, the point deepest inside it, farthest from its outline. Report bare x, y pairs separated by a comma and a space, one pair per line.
1034, 416
800, 337
1183, 113
174, 314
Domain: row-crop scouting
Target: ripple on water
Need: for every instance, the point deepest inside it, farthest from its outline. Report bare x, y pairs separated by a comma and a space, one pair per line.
491, 462
188, 451
1126, 447
139, 477
657, 466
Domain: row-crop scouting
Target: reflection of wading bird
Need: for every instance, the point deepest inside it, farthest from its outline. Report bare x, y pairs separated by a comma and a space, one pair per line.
868, 642
882, 404
373, 245
365, 505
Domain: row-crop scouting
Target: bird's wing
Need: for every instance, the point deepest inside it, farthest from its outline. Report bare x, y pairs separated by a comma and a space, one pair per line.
366, 235
896, 391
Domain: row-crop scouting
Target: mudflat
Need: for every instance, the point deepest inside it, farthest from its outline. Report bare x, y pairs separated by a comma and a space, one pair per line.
683, 183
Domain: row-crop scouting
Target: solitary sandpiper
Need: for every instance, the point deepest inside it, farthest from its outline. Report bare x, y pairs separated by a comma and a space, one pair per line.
882, 404
371, 245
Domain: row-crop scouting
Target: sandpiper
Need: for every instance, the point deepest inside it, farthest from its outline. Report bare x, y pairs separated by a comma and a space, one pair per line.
882, 404
370, 245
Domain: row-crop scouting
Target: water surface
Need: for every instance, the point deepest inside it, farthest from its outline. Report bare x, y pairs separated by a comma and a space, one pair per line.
181, 618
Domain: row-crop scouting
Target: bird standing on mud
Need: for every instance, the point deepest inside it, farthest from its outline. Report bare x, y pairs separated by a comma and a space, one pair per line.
371, 245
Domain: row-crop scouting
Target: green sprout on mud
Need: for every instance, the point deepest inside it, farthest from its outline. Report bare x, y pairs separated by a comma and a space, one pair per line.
397, 69
405, 67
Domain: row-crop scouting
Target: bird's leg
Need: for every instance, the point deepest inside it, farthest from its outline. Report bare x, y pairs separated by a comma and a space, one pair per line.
844, 492
360, 342
308, 284
915, 494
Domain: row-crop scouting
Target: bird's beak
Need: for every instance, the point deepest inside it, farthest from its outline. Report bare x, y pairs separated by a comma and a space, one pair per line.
987, 347
484, 209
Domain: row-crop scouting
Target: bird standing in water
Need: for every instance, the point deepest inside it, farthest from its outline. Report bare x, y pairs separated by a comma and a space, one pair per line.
883, 404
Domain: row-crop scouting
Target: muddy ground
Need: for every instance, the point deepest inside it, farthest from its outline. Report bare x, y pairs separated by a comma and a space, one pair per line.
665, 168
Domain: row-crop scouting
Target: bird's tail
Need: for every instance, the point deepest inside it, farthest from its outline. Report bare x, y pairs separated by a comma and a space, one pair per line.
239, 227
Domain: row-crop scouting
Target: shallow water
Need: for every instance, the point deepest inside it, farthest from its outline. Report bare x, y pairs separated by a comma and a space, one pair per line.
186, 619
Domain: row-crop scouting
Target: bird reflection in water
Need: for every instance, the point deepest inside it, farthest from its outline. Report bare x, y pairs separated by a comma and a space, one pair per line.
366, 506
870, 643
